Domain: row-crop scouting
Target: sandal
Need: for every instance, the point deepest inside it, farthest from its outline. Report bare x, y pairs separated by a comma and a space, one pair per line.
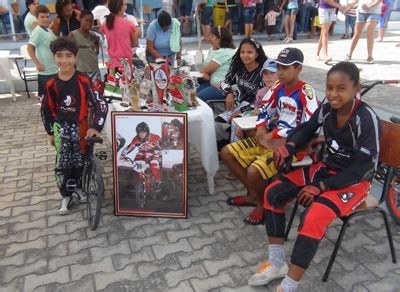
256, 217
370, 60
347, 58
240, 201
327, 60
229, 176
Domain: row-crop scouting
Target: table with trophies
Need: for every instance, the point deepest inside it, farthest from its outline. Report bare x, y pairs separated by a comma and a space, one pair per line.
158, 88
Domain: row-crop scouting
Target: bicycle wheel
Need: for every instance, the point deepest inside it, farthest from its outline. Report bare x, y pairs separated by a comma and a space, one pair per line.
393, 200
95, 192
140, 195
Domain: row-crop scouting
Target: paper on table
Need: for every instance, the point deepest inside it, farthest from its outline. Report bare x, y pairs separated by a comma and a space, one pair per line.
246, 123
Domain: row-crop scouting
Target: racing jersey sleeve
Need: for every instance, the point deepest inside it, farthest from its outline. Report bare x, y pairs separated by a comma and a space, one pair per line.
303, 133
48, 107
309, 101
365, 154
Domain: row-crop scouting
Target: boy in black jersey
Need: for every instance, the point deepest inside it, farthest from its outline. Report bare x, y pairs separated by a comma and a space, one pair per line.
68, 96
328, 189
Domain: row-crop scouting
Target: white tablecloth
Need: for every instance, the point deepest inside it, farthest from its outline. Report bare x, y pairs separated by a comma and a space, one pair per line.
5, 71
201, 134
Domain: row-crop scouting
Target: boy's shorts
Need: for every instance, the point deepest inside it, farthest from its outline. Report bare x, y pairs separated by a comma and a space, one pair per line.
206, 15
367, 17
326, 15
42, 79
247, 152
249, 14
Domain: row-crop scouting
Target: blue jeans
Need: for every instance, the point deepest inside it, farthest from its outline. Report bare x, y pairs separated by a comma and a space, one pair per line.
208, 92
349, 21
305, 15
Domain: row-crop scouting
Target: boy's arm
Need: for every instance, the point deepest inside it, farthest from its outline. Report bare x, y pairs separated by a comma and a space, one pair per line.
31, 51
47, 110
309, 101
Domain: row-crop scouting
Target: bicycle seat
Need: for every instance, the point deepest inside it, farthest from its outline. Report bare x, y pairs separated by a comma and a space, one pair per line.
395, 120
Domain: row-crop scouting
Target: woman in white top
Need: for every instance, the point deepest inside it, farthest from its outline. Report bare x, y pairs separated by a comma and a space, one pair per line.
30, 21
368, 12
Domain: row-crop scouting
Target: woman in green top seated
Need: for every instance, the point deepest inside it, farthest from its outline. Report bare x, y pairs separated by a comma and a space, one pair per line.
216, 64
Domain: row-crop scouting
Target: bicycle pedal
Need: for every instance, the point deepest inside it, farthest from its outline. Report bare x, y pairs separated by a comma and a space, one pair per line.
102, 155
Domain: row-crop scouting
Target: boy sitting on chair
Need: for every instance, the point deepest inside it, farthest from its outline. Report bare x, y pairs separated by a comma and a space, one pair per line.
284, 107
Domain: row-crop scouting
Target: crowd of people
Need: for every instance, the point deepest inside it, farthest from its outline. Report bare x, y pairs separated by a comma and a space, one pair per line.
249, 82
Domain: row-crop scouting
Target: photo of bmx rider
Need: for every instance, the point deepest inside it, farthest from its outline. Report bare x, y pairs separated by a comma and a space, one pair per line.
150, 164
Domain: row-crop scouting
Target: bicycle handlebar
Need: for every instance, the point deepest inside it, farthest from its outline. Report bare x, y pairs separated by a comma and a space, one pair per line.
368, 86
93, 140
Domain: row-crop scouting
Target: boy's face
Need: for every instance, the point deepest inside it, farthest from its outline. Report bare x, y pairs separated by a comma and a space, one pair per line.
65, 60
288, 74
86, 22
340, 90
142, 135
269, 78
43, 19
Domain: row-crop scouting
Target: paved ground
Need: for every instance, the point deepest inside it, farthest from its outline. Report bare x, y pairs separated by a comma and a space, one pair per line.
212, 250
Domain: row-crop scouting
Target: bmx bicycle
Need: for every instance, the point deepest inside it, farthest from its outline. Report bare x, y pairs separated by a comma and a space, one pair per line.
92, 182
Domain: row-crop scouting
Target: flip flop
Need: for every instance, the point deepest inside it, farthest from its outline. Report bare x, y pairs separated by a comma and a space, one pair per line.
240, 201
327, 60
229, 176
256, 217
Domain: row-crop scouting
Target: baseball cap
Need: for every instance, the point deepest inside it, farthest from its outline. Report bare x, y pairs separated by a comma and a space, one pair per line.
269, 65
290, 56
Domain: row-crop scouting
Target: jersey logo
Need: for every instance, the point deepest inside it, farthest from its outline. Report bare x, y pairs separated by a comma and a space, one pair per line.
345, 197
308, 91
68, 100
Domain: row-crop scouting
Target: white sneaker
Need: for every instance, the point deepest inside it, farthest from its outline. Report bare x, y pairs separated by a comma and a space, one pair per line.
64, 207
266, 273
82, 198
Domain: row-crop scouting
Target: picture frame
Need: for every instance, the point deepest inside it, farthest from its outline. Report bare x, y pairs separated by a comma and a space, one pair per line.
150, 164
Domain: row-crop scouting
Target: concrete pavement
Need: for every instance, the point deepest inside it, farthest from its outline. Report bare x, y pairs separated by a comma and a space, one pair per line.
212, 250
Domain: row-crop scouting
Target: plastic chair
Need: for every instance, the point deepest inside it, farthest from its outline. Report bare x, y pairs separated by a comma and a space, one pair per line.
389, 155
27, 73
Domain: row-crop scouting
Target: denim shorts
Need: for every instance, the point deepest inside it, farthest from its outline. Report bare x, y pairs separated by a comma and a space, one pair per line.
326, 15
249, 14
206, 15
367, 17
292, 11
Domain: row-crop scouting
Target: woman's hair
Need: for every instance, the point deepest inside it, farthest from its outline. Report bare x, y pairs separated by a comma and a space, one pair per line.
347, 68
64, 43
60, 4
85, 13
237, 63
115, 7
164, 19
42, 9
28, 2
224, 35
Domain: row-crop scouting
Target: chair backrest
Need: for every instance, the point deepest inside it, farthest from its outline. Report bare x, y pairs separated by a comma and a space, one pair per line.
390, 144
24, 51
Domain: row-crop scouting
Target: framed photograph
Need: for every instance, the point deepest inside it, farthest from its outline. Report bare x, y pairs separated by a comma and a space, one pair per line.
150, 164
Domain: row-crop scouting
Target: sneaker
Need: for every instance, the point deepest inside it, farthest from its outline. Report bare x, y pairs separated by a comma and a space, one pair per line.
288, 40
65, 205
82, 198
266, 273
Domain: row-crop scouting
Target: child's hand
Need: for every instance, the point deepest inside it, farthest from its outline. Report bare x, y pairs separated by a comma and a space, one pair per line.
92, 133
206, 76
40, 67
239, 133
51, 140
